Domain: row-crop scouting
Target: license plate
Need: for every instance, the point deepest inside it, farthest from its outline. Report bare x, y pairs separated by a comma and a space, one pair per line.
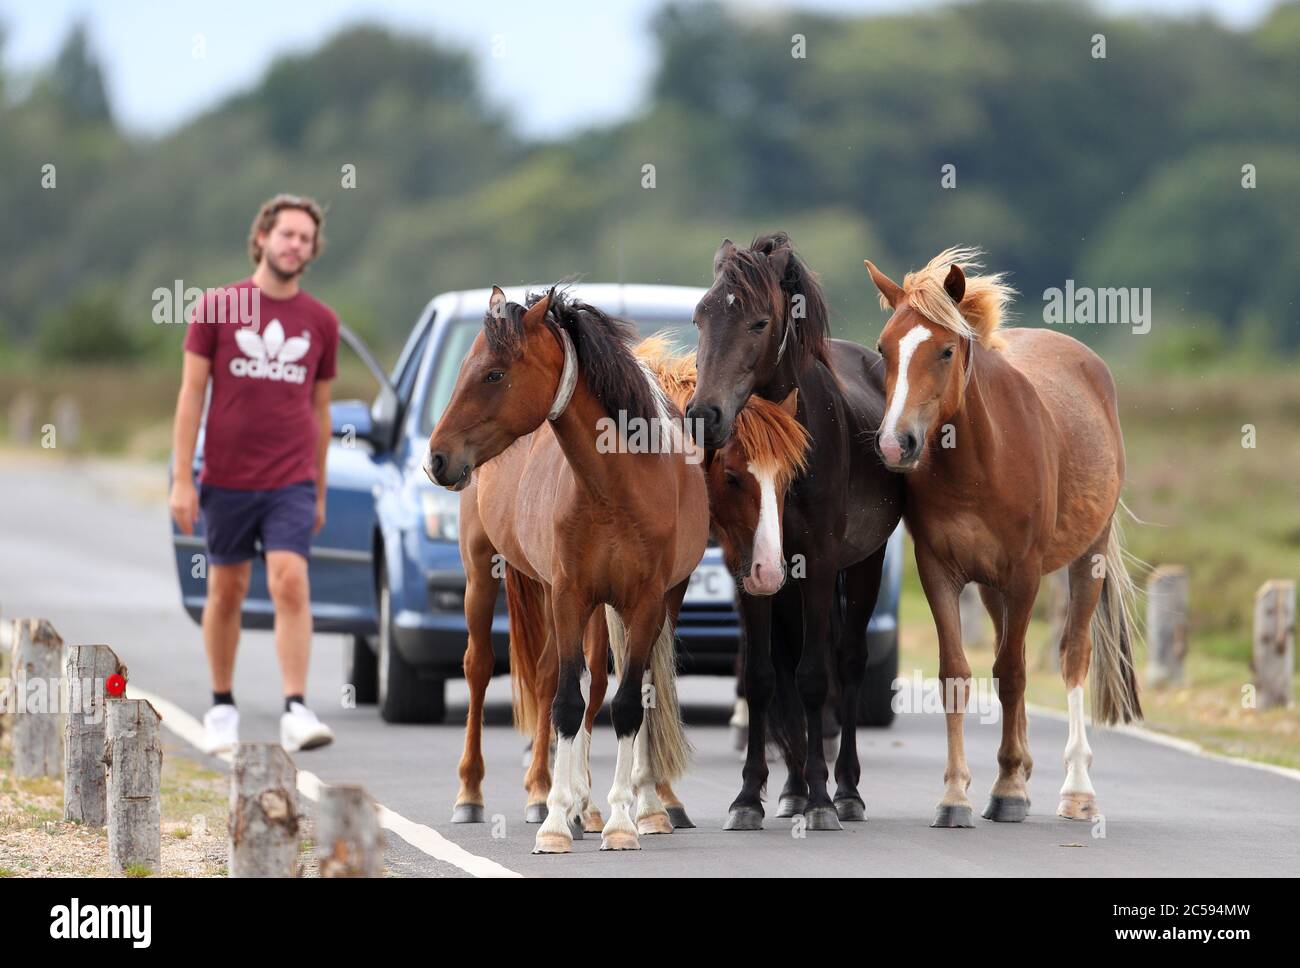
710, 584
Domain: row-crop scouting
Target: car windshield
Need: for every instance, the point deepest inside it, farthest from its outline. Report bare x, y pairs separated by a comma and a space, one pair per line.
460, 336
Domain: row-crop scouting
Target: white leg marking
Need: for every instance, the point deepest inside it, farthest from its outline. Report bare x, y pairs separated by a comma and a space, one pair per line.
559, 803
620, 795
906, 347
1078, 755
647, 797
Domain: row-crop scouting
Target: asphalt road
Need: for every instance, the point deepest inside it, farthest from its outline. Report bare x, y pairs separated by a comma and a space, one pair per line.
86, 545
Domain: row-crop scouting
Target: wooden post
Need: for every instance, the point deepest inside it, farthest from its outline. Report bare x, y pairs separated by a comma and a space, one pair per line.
133, 755
1166, 625
85, 788
349, 842
263, 812
37, 672
1274, 657
974, 618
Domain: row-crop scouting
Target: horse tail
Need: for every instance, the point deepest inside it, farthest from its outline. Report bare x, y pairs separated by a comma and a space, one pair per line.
525, 600
1114, 679
669, 749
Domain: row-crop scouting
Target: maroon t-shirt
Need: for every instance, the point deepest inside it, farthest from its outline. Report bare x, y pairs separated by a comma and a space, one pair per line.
261, 429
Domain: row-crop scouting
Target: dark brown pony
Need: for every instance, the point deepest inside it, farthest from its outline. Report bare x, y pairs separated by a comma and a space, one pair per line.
1010, 444
587, 526
764, 331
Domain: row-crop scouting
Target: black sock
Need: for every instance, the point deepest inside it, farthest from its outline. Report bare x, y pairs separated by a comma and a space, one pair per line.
289, 699
223, 699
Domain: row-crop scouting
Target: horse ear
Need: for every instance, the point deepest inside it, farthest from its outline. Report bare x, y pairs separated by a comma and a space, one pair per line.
889, 289
536, 313
497, 303
779, 257
791, 402
725, 251
955, 284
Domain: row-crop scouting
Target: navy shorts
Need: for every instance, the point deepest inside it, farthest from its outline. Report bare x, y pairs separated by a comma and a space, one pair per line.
236, 521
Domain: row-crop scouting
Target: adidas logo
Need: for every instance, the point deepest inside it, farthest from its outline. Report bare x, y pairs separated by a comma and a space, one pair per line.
269, 355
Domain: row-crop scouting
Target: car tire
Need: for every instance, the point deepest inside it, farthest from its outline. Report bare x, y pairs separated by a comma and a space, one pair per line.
402, 696
361, 670
876, 697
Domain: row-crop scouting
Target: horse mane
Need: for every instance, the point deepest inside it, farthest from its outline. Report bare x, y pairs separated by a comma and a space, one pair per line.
771, 439
603, 344
751, 277
980, 314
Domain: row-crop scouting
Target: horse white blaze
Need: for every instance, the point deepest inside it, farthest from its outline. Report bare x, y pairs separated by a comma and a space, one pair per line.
1078, 755
889, 429
767, 568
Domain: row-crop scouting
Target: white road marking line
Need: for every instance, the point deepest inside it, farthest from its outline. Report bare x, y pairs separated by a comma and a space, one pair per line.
1173, 742
422, 838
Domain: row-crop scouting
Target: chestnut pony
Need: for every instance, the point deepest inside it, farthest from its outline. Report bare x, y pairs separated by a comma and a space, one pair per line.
764, 331
1010, 444
590, 527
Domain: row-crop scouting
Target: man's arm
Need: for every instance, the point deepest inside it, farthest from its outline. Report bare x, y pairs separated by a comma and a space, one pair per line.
320, 399
184, 501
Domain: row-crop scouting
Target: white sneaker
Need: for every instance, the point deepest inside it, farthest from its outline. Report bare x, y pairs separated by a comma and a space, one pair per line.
301, 730
220, 729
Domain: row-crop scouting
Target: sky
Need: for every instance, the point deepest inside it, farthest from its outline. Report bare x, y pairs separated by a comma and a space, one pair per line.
156, 82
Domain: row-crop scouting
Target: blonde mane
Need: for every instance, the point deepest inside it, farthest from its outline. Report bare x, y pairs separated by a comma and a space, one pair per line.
771, 439
982, 307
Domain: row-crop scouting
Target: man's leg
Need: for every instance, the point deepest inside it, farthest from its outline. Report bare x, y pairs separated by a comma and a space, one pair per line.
286, 574
227, 586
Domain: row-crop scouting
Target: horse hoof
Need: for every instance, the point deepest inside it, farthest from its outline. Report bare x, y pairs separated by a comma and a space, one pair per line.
552, 843
822, 818
620, 840
654, 823
677, 817
1006, 809
467, 813
591, 821
953, 815
1078, 806
575, 828
791, 806
851, 810
744, 818
535, 813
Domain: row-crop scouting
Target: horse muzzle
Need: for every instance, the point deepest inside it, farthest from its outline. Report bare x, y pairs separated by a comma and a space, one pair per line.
443, 471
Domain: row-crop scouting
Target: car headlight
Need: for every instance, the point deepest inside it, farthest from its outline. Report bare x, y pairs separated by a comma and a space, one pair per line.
441, 510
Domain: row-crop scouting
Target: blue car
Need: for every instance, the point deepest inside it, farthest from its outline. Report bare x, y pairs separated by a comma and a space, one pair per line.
386, 570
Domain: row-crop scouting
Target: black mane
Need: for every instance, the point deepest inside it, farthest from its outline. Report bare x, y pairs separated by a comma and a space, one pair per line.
752, 275
603, 344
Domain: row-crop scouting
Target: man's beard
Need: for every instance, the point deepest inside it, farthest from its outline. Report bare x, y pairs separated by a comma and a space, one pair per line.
284, 275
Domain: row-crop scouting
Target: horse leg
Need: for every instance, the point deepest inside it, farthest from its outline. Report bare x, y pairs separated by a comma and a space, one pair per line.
746, 811
942, 591
596, 648
1078, 798
1009, 798
787, 709
481, 588
537, 779
740, 712
643, 623
819, 591
861, 585
569, 619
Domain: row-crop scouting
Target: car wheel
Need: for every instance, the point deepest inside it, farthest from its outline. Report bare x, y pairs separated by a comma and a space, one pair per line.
876, 698
361, 670
403, 696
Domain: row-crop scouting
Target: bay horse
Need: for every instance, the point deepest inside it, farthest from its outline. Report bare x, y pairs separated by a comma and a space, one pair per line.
764, 330
1010, 445
587, 525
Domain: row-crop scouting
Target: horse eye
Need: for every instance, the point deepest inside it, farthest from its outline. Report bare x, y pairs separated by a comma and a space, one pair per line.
495, 376
732, 479
946, 354
759, 326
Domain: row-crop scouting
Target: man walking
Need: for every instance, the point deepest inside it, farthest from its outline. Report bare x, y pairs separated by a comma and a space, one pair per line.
266, 439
